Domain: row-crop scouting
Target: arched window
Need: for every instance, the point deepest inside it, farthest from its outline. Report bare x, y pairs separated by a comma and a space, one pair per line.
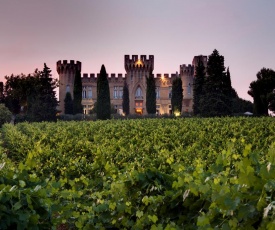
139, 92
84, 92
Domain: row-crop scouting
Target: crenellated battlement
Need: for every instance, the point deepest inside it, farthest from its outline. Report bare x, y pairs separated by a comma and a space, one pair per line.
198, 58
93, 77
68, 67
186, 69
139, 64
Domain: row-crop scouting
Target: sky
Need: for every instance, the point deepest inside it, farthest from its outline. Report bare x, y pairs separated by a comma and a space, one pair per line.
96, 32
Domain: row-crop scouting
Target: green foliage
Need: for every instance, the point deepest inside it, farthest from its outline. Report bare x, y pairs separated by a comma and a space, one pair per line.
151, 94
215, 173
32, 95
103, 96
2, 96
217, 97
198, 92
177, 95
5, 114
41, 100
240, 105
69, 106
126, 101
77, 106
261, 90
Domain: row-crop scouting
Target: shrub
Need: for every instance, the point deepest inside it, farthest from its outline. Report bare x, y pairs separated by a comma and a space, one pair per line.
5, 114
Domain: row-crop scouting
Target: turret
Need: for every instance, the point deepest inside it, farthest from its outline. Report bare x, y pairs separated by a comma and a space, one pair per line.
66, 71
139, 64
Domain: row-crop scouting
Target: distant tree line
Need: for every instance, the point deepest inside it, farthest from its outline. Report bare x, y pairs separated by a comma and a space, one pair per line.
262, 91
213, 92
32, 96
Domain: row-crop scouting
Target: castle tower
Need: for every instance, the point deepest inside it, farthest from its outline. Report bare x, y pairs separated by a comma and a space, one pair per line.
66, 71
137, 69
196, 60
187, 77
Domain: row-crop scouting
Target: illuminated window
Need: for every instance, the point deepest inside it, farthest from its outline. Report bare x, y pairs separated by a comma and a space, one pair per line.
138, 92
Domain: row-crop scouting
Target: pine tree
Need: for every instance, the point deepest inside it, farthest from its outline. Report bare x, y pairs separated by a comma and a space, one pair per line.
198, 87
77, 106
41, 99
216, 100
151, 95
261, 90
177, 96
125, 99
69, 106
103, 96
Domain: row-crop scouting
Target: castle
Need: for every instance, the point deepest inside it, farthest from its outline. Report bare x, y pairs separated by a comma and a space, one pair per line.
137, 69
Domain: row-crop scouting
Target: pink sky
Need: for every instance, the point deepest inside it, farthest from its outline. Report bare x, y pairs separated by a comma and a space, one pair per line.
102, 32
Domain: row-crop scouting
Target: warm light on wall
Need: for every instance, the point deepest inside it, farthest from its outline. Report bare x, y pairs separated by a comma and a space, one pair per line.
177, 113
139, 62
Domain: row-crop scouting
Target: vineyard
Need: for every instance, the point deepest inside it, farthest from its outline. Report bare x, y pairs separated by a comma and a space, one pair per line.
216, 173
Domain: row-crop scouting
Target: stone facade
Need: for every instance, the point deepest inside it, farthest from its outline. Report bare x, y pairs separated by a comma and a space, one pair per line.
137, 69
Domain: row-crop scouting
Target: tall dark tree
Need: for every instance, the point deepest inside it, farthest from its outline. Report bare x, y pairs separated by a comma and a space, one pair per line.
32, 95
41, 100
151, 94
103, 96
125, 99
77, 93
216, 100
261, 90
198, 92
2, 93
69, 106
16, 89
177, 95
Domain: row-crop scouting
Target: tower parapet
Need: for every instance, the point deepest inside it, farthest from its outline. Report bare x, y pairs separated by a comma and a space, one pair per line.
186, 69
66, 71
142, 63
68, 67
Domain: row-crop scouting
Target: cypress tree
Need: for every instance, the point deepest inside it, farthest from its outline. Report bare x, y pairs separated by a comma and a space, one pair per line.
151, 94
177, 95
77, 106
103, 96
198, 87
69, 107
215, 100
125, 99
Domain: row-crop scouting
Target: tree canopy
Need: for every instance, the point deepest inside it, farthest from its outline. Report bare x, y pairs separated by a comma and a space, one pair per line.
125, 99
262, 91
77, 106
177, 96
151, 94
198, 92
32, 95
103, 96
68, 103
217, 96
